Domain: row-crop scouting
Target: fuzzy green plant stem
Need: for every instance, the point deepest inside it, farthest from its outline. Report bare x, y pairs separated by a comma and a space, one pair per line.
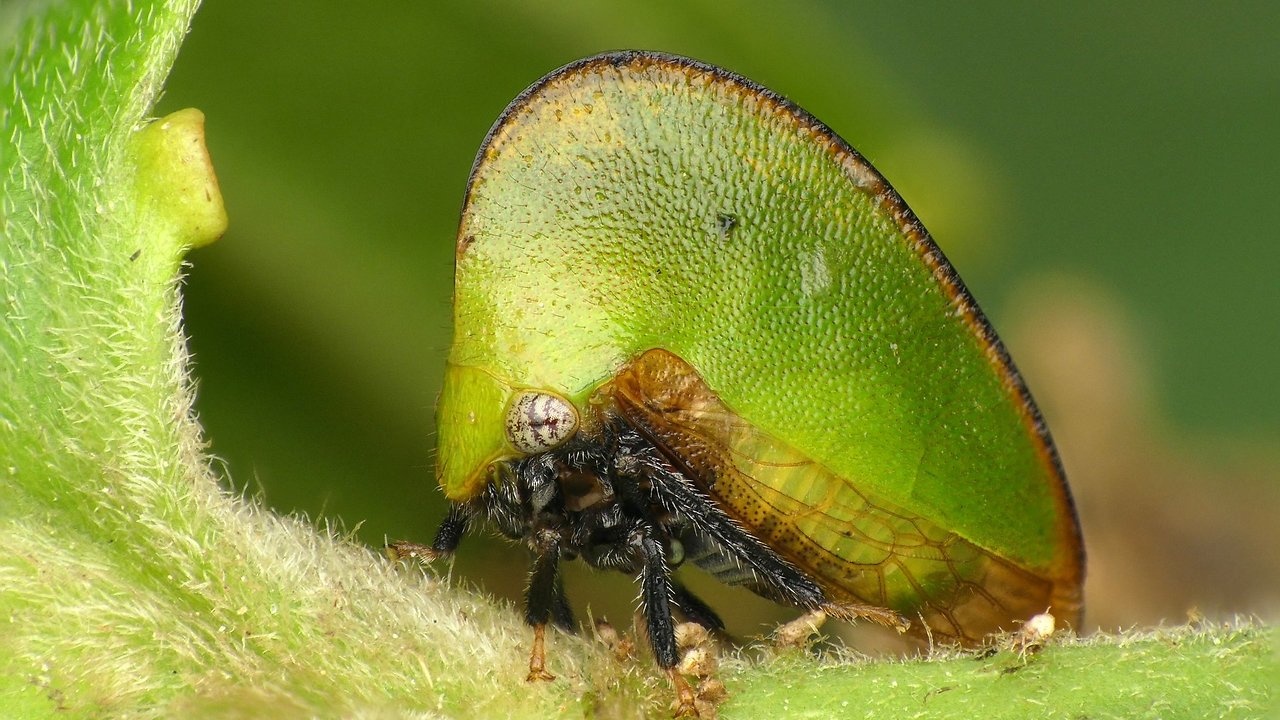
131, 584
1209, 671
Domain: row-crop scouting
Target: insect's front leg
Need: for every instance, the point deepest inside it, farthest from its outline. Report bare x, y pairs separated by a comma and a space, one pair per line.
448, 537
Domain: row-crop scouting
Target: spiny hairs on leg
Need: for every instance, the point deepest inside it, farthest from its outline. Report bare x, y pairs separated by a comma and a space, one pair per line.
673, 490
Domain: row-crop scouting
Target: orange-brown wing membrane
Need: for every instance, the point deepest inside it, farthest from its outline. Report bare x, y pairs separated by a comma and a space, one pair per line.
858, 547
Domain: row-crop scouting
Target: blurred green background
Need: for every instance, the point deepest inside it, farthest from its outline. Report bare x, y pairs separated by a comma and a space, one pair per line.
1104, 178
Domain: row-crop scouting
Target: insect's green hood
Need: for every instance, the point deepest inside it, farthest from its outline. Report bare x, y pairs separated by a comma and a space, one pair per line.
634, 201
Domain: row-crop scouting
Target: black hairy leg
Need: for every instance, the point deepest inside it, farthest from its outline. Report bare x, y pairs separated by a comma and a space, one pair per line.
694, 609
448, 537
773, 577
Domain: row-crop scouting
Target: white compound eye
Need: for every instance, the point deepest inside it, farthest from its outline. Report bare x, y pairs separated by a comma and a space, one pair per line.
538, 421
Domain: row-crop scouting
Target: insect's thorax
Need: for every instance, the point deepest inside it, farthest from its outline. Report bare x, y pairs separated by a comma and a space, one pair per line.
578, 496
595, 499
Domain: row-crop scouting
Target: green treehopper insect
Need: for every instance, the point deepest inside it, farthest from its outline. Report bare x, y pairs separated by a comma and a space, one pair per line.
693, 325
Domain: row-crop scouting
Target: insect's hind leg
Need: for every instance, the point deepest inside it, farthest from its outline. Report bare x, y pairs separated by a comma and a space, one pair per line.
695, 609
776, 577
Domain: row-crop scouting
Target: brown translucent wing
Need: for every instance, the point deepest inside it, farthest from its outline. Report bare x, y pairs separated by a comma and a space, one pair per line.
860, 548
